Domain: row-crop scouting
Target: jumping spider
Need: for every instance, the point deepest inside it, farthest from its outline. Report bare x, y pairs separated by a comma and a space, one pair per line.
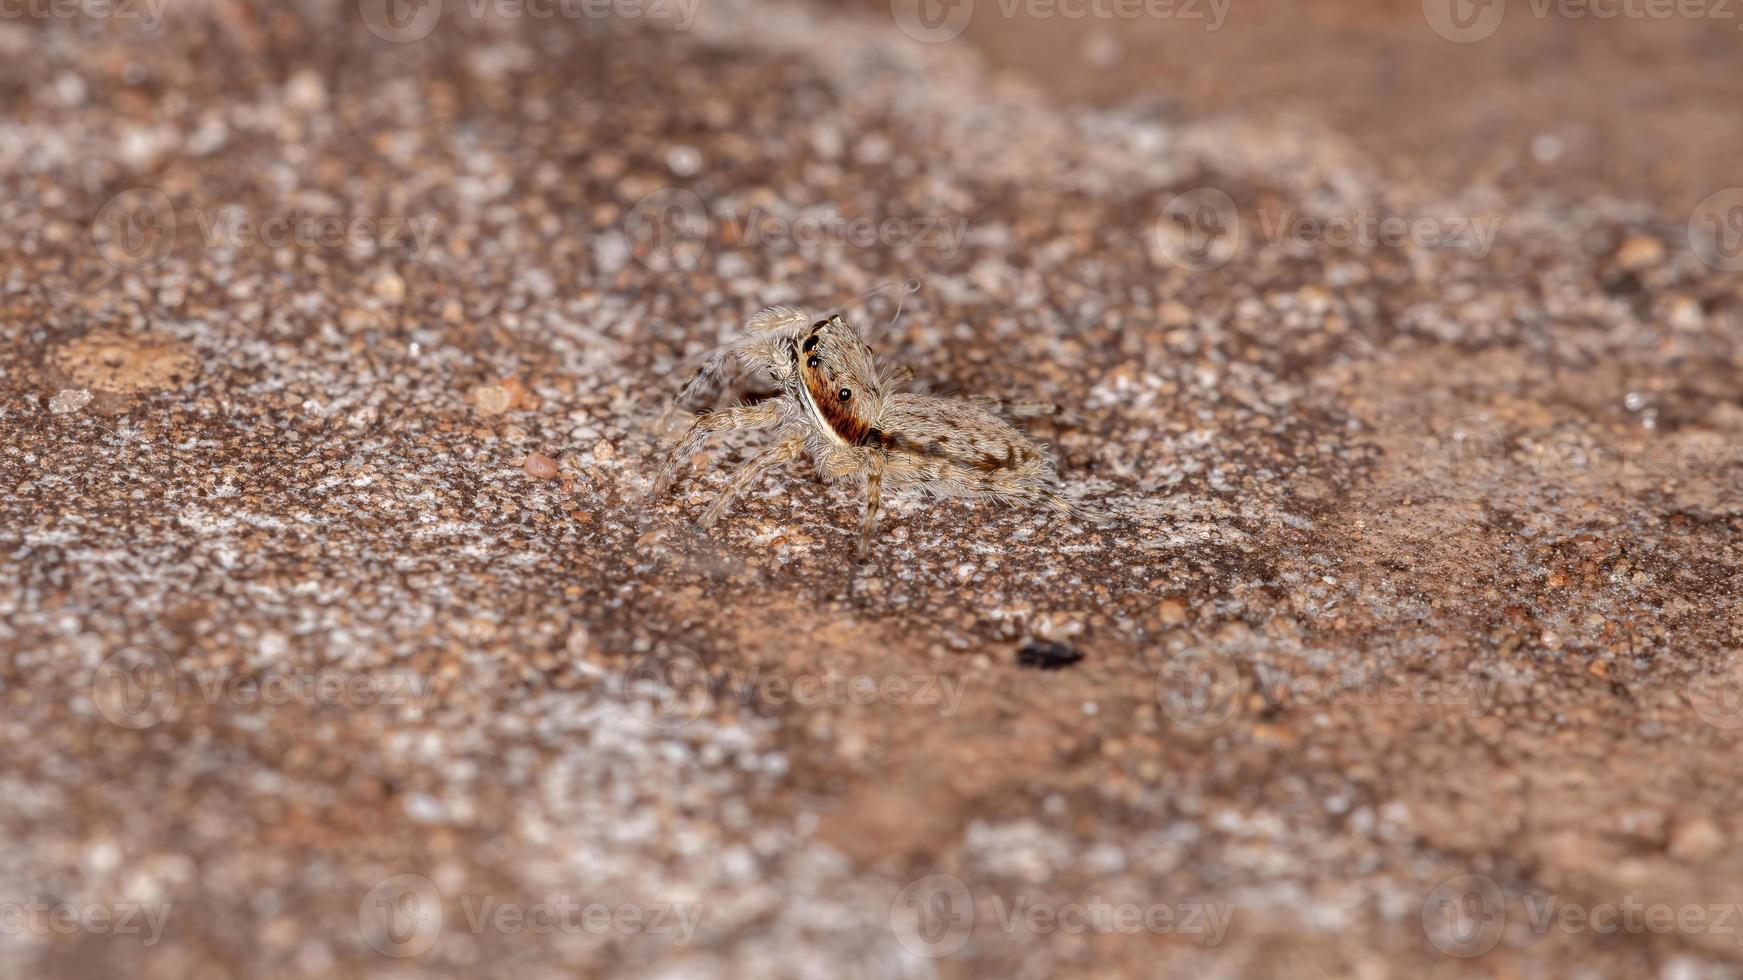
838, 408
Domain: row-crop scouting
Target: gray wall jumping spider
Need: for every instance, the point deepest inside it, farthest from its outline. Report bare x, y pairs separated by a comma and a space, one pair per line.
838, 408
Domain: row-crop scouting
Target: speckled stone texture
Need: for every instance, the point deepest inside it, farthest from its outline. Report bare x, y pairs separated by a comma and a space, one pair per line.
339, 638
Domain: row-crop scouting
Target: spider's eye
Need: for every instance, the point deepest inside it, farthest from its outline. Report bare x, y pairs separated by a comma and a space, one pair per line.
844, 394
813, 361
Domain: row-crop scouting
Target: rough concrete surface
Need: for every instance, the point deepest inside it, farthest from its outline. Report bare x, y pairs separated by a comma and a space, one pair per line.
339, 636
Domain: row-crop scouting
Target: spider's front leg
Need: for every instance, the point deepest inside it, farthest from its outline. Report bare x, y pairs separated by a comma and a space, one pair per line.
758, 416
874, 485
750, 473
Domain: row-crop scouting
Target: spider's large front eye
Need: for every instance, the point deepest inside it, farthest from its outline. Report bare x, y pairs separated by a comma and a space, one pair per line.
813, 361
844, 394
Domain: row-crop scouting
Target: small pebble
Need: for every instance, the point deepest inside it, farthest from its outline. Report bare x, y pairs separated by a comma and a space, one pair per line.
1639, 252
391, 288
1696, 840
492, 399
539, 466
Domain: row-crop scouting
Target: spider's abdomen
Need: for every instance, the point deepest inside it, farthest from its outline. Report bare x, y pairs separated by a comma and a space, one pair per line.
931, 438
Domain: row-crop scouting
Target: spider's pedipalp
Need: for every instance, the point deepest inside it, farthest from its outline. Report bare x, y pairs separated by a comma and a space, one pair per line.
760, 349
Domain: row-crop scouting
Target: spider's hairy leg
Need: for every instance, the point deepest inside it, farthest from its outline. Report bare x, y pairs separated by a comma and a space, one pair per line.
874, 485
1015, 408
750, 473
706, 379
758, 416
1090, 513
760, 347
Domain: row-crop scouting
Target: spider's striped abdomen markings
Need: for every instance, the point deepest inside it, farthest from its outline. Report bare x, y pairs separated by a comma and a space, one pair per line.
1005, 452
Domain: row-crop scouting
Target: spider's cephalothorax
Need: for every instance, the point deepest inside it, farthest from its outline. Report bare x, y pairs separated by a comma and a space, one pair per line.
840, 410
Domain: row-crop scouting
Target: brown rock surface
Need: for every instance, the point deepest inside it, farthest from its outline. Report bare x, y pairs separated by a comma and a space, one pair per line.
1424, 606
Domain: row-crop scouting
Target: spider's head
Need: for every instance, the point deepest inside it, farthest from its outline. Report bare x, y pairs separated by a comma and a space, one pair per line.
837, 380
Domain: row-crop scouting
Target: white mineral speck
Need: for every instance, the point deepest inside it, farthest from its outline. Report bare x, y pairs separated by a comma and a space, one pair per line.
69, 400
685, 161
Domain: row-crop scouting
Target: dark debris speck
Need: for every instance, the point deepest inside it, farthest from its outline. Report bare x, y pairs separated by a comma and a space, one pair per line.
1046, 655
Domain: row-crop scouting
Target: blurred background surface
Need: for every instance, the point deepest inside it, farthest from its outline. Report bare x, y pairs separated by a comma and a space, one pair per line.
337, 637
